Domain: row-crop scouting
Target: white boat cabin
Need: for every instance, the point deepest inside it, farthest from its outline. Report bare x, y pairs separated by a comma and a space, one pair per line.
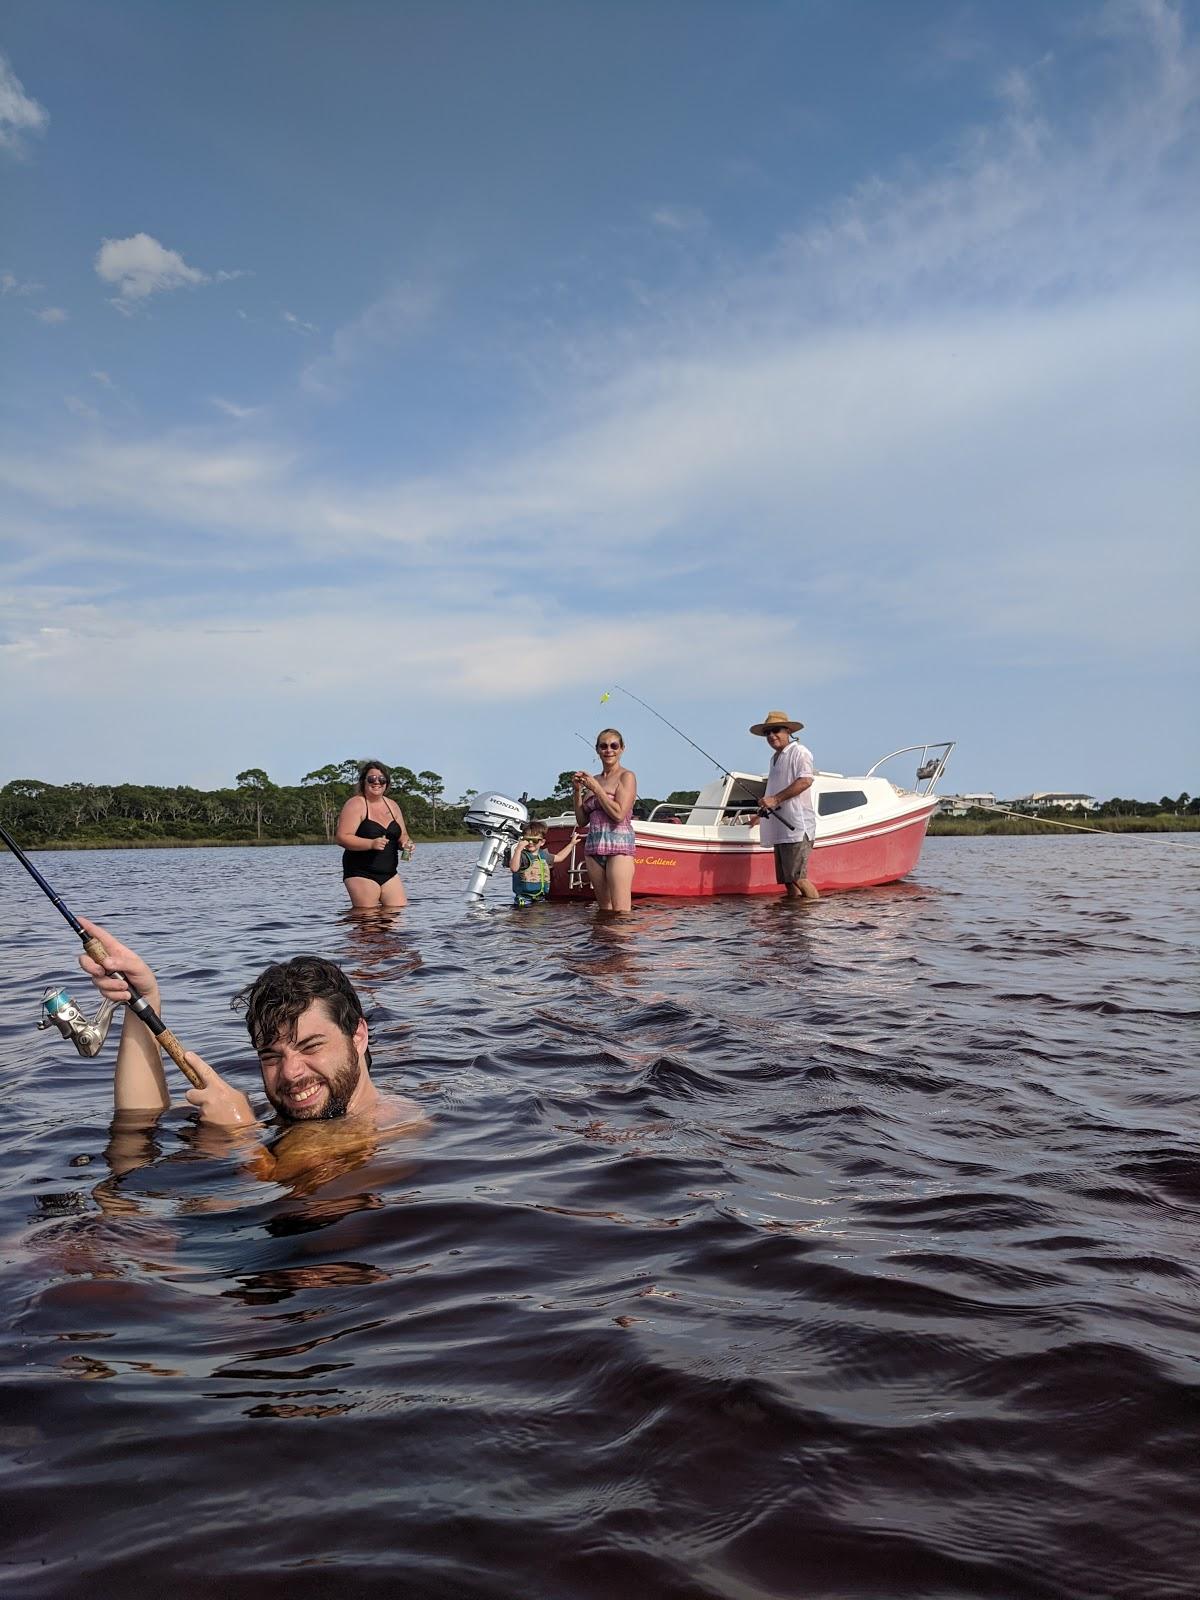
732, 802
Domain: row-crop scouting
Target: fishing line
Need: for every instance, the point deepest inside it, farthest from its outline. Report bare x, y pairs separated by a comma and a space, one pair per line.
137, 1003
1079, 827
724, 771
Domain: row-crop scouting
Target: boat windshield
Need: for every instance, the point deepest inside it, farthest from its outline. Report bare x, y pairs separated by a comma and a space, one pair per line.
721, 816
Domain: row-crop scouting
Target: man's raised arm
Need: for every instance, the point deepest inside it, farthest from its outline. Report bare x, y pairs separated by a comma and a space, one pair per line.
139, 1081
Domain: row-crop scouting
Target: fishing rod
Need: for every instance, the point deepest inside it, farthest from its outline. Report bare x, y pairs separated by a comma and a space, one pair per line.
137, 1003
724, 771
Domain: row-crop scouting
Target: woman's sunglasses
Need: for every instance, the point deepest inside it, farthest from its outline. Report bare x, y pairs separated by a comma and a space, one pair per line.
608, 747
379, 783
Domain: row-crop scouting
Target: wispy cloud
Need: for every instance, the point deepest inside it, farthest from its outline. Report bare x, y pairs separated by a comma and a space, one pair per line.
679, 219
1030, 208
231, 409
932, 468
21, 117
406, 310
185, 649
11, 284
25, 289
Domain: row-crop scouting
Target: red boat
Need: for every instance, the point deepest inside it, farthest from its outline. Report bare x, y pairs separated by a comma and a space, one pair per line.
869, 831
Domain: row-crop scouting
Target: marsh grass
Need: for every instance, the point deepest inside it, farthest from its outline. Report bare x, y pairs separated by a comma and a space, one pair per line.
961, 827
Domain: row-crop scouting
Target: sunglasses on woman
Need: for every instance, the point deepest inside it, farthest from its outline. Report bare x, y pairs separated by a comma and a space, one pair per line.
379, 783
602, 747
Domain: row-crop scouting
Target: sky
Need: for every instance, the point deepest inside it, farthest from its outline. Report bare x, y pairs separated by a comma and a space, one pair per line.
396, 379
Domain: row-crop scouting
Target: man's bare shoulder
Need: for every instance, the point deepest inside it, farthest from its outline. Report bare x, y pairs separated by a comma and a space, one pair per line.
308, 1156
395, 1112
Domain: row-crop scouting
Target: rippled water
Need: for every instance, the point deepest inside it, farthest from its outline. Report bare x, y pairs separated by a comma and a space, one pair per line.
753, 1251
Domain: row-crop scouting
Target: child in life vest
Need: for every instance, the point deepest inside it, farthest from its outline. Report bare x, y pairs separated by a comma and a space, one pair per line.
530, 863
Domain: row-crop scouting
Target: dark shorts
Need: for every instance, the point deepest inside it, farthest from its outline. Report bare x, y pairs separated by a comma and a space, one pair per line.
791, 860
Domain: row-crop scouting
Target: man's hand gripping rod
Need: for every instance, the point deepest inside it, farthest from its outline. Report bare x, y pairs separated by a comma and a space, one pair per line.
137, 1003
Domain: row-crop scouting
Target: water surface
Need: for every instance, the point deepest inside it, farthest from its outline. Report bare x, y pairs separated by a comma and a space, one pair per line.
752, 1251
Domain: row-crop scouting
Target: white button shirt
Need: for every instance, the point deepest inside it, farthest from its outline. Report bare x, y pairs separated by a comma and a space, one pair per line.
792, 762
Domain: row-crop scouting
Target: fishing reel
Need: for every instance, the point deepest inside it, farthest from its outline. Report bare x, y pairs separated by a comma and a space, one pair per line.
501, 821
60, 1010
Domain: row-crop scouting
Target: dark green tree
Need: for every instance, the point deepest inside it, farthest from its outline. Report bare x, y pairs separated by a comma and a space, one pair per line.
431, 786
255, 781
329, 786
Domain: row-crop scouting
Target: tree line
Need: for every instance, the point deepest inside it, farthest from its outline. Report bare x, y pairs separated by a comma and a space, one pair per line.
254, 809
1183, 805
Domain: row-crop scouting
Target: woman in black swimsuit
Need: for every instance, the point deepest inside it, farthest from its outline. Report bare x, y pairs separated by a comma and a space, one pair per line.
371, 831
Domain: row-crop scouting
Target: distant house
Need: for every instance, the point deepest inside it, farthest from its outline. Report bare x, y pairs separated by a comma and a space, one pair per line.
957, 805
1058, 799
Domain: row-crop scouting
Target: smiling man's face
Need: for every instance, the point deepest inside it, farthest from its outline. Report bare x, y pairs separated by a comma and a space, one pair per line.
312, 1076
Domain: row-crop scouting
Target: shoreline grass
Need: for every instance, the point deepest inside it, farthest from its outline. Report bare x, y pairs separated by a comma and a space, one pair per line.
966, 827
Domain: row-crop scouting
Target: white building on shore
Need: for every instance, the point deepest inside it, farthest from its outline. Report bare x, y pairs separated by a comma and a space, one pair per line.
1057, 799
957, 805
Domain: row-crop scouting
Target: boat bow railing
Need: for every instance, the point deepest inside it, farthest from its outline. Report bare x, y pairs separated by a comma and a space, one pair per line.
930, 764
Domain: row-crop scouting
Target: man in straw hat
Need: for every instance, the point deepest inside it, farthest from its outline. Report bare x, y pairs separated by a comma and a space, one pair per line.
787, 800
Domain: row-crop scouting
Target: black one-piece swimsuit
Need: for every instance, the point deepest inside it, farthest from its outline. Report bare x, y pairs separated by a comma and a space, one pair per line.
378, 865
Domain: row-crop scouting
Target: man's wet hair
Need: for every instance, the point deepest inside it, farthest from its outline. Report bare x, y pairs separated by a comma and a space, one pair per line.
278, 997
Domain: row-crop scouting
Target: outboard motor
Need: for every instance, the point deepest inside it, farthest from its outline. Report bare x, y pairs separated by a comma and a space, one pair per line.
87, 1037
501, 821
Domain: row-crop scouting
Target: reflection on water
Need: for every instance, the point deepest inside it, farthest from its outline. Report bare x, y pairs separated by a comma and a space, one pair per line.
377, 950
751, 1249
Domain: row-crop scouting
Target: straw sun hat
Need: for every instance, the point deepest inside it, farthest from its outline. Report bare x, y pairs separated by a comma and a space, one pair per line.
773, 720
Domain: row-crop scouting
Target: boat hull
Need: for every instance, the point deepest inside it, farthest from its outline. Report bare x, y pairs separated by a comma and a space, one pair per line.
696, 863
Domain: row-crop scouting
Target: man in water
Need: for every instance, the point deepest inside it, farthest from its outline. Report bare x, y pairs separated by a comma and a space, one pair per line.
306, 1024
787, 800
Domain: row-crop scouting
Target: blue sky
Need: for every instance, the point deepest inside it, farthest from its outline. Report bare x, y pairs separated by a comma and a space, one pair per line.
394, 379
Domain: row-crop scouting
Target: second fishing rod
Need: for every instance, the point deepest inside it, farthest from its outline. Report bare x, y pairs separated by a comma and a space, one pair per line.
137, 1003
723, 770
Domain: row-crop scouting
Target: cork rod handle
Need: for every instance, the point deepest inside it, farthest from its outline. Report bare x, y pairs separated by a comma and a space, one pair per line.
176, 1052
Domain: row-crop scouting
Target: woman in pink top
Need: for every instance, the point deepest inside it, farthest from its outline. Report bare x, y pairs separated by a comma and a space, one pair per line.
604, 806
